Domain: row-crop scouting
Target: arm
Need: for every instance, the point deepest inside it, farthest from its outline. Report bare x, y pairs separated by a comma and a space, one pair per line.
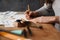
46, 19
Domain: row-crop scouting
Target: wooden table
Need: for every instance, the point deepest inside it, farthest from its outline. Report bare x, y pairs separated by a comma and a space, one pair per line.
47, 33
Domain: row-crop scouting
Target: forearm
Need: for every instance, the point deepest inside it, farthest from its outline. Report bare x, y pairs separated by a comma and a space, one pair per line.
46, 19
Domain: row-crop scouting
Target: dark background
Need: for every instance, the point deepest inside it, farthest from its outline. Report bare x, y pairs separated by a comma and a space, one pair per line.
20, 5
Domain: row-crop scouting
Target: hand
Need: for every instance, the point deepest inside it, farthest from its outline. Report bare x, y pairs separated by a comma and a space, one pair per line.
31, 14
28, 14
58, 19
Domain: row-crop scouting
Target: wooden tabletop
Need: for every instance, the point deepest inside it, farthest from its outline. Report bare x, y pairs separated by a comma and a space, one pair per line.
47, 33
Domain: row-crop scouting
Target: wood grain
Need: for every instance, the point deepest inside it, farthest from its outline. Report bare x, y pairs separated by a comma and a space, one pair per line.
47, 33
11, 36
